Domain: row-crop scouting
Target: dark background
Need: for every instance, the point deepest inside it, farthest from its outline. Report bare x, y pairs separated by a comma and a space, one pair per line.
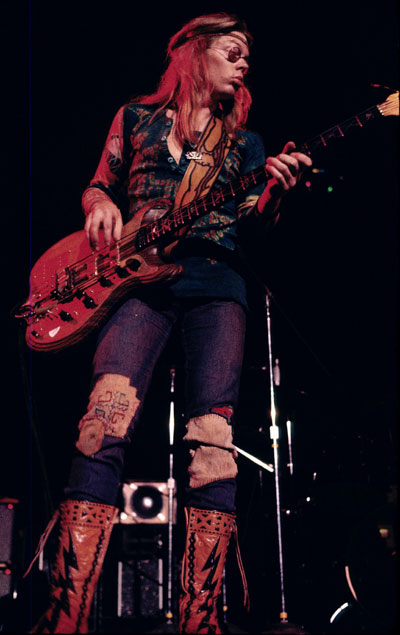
331, 267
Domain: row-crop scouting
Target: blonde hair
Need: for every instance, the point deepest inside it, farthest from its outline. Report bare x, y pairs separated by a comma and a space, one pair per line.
186, 81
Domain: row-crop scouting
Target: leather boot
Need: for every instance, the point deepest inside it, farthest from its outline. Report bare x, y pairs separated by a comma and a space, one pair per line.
207, 538
85, 530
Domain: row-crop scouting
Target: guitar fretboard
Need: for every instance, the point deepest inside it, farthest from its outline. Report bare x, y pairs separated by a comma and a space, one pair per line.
322, 140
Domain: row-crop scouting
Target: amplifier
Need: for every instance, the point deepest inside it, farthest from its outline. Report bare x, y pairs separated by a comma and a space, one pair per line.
133, 585
8, 508
136, 589
8, 511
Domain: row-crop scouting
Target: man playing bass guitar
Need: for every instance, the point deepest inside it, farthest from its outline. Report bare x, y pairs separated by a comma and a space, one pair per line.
152, 143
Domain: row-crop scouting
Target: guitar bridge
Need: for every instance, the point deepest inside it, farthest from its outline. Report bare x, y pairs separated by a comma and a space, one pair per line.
77, 274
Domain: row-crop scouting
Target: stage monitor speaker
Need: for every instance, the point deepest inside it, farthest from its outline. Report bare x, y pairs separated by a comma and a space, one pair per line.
146, 502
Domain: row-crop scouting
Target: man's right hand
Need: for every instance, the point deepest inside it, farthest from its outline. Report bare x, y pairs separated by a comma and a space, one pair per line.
107, 216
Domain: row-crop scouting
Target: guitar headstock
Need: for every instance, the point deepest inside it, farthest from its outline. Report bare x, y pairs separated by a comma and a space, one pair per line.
390, 106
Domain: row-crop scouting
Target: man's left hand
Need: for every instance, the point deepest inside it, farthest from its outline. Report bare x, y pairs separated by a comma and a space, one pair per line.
286, 169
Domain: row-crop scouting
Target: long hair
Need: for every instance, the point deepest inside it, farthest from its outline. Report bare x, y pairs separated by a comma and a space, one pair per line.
186, 81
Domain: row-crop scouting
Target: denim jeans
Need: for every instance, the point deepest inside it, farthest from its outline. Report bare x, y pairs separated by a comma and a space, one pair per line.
212, 332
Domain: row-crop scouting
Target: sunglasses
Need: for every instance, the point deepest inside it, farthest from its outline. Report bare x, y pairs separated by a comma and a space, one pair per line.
232, 55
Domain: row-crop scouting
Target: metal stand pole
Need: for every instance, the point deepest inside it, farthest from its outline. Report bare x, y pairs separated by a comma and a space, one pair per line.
169, 626
171, 493
274, 435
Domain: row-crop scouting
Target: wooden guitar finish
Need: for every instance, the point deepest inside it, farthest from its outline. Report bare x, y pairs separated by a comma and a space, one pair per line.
73, 289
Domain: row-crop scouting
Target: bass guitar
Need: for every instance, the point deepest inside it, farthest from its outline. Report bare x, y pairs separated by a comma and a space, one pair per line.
73, 288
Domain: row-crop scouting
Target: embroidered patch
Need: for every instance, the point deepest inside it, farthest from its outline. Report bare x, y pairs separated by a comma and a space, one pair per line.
112, 406
223, 411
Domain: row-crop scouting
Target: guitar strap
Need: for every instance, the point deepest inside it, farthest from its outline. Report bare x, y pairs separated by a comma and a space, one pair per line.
206, 162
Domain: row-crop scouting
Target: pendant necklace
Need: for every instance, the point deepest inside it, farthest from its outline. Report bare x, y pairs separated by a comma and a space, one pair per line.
194, 154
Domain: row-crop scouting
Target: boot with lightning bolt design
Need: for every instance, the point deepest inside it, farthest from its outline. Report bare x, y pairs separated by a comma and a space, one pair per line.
85, 530
207, 539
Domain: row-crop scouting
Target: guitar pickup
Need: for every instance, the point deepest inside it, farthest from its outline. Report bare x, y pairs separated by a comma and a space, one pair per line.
64, 283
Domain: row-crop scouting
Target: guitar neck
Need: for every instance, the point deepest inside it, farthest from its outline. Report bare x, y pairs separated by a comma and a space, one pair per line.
322, 140
176, 219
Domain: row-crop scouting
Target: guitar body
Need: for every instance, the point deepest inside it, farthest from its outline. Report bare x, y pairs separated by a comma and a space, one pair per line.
73, 288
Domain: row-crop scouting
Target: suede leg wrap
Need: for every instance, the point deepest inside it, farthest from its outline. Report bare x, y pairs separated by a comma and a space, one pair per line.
213, 453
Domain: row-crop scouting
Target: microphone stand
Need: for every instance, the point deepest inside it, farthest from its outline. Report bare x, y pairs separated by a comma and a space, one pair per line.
274, 436
284, 626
